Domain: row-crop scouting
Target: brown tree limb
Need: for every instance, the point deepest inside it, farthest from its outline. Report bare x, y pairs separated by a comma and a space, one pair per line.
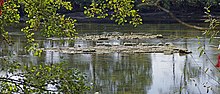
180, 21
157, 4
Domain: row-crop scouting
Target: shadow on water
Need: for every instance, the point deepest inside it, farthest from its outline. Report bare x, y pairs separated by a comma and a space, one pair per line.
151, 73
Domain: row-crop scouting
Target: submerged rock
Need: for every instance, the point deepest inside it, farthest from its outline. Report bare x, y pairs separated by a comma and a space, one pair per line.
111, 43
184, 51
89, 51
168, 44
130, 44
160, 44
103, 39
117, 36
127, 48
146, 44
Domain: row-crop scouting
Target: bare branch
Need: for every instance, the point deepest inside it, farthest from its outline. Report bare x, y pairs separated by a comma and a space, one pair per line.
180, 21
157, 4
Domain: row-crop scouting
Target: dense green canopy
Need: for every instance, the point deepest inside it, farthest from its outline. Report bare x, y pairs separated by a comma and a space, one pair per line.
170, 4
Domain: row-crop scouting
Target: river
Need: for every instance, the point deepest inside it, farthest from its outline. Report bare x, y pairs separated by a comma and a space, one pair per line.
137, 73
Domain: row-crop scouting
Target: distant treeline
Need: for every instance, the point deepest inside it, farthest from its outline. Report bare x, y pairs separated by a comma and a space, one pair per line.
173, 5
169, 4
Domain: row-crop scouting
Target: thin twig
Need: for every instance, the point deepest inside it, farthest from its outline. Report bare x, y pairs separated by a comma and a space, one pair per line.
211, 61
205, 72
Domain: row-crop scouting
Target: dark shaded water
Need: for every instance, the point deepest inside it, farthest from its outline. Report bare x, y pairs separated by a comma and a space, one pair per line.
155, 73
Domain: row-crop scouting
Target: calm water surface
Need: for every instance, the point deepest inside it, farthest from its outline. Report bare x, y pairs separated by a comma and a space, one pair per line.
155, 73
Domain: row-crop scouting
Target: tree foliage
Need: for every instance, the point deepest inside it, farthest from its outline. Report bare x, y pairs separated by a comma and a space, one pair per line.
41, 78
169, 4
121, 11
42, 18
182, 3
8, 17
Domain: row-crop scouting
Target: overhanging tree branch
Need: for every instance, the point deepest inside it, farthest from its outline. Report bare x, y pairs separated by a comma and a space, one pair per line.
180, 21
157, 4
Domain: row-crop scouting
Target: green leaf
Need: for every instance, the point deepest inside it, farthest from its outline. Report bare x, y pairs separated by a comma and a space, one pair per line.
38, 74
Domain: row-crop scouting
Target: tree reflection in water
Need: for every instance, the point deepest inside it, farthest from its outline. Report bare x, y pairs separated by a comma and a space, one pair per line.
117, 73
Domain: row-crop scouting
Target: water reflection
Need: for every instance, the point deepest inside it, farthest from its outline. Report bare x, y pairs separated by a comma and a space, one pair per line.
154, 73
164, 73
116, 73
150, 73
52, 57
125, 73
